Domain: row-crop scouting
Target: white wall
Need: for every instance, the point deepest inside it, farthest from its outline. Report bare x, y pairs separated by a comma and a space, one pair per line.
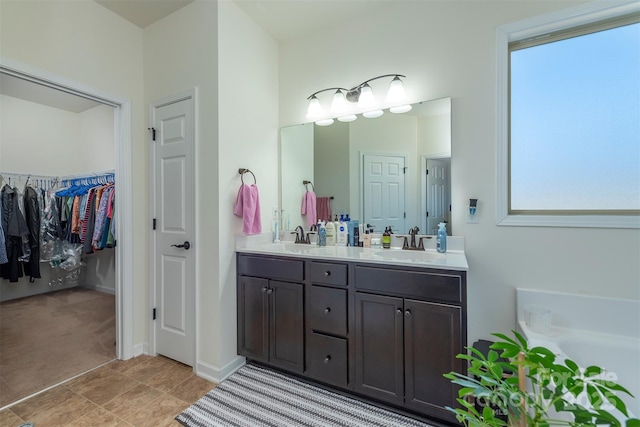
448, 49
248, 132
85, 42
213, 46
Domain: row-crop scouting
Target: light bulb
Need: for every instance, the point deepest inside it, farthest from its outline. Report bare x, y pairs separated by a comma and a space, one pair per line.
400, 109
396, 90
324, 122
315, 109
373, 114
348, 118
339, 104
367, 100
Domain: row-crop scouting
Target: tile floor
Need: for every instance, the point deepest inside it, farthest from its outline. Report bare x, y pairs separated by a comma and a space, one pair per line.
144, 391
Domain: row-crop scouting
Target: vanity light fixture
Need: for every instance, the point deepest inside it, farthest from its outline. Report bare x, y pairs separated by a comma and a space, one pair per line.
362, 95
373, 114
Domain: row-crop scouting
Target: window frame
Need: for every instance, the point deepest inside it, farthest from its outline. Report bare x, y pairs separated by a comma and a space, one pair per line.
567, 19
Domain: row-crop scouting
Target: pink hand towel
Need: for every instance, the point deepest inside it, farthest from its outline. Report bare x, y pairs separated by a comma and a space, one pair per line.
248, 207
309, 207
324, 208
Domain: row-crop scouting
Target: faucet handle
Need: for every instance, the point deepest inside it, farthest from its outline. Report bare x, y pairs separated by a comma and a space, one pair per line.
420, 243
405, 244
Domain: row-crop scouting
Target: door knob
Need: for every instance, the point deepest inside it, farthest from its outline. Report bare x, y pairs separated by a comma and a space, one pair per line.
186, 245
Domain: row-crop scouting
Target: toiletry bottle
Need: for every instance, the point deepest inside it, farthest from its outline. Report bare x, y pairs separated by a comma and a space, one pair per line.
366, 240
331, 234
354, 239
386, 238
342, 234
441, 240
361, 235
322, 234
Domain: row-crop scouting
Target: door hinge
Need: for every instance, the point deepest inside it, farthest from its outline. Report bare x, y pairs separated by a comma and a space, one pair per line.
405, 214
154, 223
404, 169
427, 171
154, 314
427, 214
153, 133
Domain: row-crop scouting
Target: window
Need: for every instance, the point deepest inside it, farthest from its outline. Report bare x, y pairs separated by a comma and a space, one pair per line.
569, 119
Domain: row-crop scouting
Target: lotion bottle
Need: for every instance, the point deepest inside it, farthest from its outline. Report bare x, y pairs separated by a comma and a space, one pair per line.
441, 239
366, 240
331, 234
342, 234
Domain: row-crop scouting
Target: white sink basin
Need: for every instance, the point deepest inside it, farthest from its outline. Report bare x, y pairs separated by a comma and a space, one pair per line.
399, 254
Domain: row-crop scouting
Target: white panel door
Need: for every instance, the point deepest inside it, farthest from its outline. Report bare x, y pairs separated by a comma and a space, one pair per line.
175, 249
437, 195
383, 195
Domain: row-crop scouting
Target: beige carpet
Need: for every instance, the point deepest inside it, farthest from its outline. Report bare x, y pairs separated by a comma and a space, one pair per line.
48, 338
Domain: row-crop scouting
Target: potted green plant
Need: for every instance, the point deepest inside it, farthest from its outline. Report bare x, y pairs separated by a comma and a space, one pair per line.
496, 384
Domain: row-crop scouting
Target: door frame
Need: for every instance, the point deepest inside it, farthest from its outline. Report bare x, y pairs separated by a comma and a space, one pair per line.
423, 185
124, 194
170, 99
361, 177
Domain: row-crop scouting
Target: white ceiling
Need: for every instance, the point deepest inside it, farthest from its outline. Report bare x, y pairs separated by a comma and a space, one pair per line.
143, 12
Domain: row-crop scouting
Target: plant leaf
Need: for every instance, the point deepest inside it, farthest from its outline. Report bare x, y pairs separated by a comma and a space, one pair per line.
633, 422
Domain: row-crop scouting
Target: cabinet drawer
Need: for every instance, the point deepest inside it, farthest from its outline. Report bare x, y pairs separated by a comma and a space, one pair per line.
327, 359
327, 310
416, 284
270, 268
328, 273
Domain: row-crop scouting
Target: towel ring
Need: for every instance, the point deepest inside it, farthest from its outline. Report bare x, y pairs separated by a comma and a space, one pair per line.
305, 183
242, 171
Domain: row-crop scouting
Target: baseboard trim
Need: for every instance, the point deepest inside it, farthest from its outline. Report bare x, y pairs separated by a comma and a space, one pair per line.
216, 374
140, 349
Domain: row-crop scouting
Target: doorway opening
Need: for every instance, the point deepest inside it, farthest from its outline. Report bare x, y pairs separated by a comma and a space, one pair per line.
123, 288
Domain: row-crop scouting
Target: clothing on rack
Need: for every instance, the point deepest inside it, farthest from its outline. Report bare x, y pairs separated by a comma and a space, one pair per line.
3, 248
15, 228
32, 217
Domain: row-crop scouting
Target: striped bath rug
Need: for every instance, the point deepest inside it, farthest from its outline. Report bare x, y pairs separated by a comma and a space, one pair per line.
257, 397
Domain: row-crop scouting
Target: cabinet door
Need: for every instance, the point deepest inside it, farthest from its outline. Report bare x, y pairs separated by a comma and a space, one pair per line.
432, 337
379, 347
286, 326
253, 318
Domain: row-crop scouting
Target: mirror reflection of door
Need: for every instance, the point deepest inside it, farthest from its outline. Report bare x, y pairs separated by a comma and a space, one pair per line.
437, 194
384, 192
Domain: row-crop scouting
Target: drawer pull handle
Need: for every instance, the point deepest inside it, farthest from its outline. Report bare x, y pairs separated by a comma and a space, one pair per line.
407, 313
327, 310
327, 359
399, 311
327, 273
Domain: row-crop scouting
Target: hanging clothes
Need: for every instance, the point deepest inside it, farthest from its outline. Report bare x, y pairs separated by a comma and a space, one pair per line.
15, 228
32, 217
3, 247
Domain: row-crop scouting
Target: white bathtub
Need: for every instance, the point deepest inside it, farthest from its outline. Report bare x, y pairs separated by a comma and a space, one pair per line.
607, 336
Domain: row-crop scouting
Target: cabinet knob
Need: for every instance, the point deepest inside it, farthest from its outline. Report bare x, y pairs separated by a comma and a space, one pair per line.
399, 311
327, 359
327, 310
269, 291
264, 290
327, 273
407, 313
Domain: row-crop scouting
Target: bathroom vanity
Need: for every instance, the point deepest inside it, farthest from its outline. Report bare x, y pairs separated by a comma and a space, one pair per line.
383, 325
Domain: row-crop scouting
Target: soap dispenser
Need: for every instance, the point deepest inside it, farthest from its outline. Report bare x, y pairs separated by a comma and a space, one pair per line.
322, 234
441, 239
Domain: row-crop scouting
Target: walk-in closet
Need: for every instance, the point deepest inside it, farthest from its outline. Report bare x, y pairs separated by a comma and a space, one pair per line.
57, 244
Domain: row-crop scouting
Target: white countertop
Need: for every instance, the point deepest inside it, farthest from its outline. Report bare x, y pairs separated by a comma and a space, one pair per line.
453, 259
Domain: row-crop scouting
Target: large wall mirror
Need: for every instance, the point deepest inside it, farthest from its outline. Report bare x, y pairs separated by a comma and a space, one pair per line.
373, 169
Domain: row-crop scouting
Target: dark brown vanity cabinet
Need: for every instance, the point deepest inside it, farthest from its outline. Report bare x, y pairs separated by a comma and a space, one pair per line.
271, 312
405, 343
382, 331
